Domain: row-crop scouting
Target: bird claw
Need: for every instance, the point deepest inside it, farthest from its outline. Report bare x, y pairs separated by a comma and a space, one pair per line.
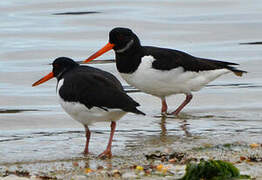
168, 114
85, 153
164, 114
105, 154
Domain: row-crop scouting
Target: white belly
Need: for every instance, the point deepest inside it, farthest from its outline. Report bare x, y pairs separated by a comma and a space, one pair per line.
164, 83
87, 116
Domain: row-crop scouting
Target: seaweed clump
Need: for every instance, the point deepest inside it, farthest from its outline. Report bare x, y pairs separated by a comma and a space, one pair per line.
212, 170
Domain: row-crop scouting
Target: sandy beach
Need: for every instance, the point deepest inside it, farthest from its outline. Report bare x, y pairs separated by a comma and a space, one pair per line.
38, 137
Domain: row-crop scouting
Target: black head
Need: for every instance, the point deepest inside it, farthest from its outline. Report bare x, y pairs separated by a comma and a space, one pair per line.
123, 39
61, 65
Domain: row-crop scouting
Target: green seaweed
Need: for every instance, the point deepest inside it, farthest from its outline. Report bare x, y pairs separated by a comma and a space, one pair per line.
212, 170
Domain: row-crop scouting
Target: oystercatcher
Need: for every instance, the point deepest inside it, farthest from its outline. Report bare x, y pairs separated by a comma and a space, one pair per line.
159, 71
90, 95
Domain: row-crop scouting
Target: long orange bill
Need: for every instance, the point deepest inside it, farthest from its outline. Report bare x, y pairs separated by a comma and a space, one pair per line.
44, 79
106, 48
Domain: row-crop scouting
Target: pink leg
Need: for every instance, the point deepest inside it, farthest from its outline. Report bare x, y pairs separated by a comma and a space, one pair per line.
164, 106
187, 100
107, 152
88, 134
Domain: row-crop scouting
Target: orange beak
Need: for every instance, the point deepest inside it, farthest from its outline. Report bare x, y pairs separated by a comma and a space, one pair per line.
103, 50
44, 79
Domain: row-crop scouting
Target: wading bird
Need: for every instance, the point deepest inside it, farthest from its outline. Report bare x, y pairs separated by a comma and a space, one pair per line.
159, 71
90, 95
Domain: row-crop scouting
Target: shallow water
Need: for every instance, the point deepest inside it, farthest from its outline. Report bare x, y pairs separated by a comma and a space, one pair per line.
34, 128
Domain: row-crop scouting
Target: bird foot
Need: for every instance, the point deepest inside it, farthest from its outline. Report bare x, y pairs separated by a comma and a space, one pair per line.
168, 114
164, 114
105, 154
85, 152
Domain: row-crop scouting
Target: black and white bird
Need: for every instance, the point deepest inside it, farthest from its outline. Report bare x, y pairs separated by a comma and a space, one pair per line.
159, 71
90, 95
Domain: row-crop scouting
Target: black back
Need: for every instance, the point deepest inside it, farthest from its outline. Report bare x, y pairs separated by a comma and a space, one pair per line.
167, 59
95, 88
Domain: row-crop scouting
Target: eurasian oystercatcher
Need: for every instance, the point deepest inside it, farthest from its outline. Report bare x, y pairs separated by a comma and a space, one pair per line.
90, 95
159, 71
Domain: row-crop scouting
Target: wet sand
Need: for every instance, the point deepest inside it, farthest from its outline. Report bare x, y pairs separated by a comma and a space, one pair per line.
36, 134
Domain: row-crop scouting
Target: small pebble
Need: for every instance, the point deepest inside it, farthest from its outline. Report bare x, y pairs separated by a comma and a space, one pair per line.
159, 167
139, 168
172, 160
254, 145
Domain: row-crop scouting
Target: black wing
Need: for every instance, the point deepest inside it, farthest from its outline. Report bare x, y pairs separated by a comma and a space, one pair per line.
167, 59
96, 88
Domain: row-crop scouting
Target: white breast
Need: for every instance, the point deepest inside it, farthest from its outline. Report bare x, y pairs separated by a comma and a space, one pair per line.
164, 83
87, 116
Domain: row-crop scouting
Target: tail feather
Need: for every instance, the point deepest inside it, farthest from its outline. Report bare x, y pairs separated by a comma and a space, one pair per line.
237, 72
138, 112
228, 65
134, 110
208, 64
132, 106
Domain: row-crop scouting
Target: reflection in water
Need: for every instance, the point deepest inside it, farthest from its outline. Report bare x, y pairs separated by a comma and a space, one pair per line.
163, 132
185, 128
109, 164
87, 163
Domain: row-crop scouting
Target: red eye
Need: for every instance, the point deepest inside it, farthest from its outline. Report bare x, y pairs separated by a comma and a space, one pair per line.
120, 37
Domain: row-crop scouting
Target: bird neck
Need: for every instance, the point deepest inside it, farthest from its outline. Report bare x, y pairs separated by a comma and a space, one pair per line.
62, 73
127, 62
